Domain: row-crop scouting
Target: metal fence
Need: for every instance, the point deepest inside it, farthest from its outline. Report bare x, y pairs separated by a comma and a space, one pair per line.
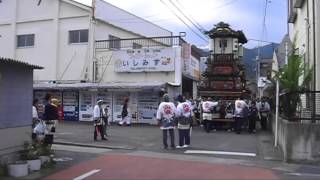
307, 107
137, 43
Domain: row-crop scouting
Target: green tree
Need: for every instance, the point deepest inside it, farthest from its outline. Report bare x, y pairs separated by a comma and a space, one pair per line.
293, 78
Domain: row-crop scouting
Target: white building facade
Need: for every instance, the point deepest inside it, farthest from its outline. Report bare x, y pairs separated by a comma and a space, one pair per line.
64, 37
304, 31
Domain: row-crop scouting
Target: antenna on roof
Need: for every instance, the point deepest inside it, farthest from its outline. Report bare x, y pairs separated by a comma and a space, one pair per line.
39, 2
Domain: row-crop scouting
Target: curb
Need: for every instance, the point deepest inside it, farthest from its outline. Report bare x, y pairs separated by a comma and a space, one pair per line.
92, 145
266, 149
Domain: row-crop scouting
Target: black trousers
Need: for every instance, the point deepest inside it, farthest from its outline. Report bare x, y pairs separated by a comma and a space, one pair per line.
263, 122
207, 125
184, 137
165, 137
238, 124
252, 123
98, 129
105, 127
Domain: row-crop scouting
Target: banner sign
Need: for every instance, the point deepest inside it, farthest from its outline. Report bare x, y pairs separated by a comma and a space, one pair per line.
144, 60
191, 66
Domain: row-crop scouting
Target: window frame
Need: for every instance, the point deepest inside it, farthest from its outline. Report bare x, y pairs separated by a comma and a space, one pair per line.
25, 40
79, 37
114, 44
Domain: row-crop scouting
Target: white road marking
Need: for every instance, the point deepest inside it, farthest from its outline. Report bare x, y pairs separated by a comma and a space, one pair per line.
79, 149
83, 176
220, 153
304, 174
63, 133
63, 159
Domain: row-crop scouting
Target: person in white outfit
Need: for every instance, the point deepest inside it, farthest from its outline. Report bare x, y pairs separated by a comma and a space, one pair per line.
264, 109
239, 114
184, 118
165, 116
207, 107
98, 120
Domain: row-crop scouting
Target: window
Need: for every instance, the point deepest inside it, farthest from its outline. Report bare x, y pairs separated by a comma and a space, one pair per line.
78, 36
114, 42
136, 46
25, 40
223, 43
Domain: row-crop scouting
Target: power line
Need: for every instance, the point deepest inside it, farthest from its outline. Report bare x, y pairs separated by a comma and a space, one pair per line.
201, 27
226, 4
183, 21
191, 21
251, 39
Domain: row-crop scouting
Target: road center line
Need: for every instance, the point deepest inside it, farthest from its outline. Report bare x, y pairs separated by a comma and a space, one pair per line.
220, 153
87, 174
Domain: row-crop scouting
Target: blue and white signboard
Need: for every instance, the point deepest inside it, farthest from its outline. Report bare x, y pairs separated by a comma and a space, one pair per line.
71, 106
144, 60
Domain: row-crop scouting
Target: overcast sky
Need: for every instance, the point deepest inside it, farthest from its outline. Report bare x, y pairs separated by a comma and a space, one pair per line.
246, 15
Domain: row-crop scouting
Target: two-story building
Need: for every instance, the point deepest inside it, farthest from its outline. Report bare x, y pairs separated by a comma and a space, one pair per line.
304, 32
90, 53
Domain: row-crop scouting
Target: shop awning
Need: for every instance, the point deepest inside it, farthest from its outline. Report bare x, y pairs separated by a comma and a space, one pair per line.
110, 86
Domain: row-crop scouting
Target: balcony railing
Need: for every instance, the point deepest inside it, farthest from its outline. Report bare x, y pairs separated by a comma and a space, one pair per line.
136, 43
307, 108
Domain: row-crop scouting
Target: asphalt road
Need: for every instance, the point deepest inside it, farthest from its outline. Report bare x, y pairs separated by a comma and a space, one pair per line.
149, 138
136, 153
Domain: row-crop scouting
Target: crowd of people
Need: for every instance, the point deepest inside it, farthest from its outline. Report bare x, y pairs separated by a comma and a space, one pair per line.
182, 114
212, 115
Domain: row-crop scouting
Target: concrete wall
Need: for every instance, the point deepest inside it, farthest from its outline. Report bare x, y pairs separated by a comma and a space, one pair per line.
15, 143
43, 42
300, 142
72, 58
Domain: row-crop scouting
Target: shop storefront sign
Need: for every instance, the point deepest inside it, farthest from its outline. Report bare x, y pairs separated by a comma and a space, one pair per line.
144, 60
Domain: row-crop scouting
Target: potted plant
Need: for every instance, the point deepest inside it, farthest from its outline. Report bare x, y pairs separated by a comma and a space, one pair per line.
18, 169
31, 156
44, 152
